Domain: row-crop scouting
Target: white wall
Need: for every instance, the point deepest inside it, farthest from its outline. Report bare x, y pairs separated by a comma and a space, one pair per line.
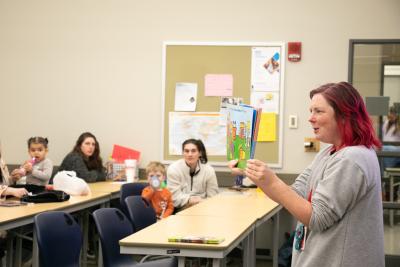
95, 65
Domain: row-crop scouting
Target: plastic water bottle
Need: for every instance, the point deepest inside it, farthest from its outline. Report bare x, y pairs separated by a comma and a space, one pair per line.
130, 170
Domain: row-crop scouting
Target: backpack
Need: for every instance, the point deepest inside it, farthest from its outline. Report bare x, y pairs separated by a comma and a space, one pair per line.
46, 196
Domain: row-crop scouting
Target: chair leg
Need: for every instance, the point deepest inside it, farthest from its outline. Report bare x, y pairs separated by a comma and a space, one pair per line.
18, 249
35, 251
391, 214
28, 263
100, 256
85, 245
10, 248
181, 261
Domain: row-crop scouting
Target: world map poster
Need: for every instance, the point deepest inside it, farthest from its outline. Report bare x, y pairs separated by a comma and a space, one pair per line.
210, 127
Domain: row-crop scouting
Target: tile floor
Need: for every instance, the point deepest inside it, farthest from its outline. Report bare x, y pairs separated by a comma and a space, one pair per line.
392, 237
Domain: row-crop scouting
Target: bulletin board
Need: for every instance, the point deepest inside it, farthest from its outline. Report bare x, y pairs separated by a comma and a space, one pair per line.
187, 62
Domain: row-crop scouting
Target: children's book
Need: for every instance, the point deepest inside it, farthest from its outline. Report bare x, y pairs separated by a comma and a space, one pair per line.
196, 239
242, 131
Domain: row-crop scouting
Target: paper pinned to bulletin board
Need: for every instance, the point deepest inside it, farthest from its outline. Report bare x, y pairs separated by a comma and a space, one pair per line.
218, 85
267, 130
185, 96
267, 101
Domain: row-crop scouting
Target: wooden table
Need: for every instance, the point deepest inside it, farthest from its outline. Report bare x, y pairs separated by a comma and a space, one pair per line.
111, 187
215, 216
251, 203
153, 240
14, 217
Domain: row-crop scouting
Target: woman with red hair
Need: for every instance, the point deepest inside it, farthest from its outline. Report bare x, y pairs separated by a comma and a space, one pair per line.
337, 199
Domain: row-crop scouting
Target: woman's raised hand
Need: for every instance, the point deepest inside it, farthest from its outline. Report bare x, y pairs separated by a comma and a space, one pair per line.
259, 172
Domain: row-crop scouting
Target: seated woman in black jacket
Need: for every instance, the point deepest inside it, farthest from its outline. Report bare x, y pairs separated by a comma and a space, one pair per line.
85, 159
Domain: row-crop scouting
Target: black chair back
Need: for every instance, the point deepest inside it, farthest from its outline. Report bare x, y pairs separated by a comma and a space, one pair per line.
59, 239
130, 189
112, 226
140, 212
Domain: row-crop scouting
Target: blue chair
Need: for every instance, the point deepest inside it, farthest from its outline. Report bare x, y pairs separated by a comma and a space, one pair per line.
130, 189
59, 239
140, 212
113, 226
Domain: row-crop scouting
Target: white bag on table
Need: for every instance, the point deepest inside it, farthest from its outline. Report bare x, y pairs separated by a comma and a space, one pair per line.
68, 182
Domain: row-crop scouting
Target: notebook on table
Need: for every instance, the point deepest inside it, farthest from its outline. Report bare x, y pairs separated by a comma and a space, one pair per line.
12, 203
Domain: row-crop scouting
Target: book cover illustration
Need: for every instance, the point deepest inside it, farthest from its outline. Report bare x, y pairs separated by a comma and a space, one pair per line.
241, 133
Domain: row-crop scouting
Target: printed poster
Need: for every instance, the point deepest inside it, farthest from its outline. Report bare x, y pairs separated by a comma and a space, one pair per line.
265, 68
206, 126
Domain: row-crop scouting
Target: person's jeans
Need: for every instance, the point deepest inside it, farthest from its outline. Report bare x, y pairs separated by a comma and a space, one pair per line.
391, 161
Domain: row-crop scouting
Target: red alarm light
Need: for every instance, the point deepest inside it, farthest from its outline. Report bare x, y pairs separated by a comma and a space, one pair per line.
294, 51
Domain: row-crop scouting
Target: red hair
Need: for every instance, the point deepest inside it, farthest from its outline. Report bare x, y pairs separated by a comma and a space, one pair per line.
352, 118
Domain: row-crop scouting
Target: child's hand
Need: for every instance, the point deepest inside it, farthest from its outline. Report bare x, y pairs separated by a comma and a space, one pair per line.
27, 166
16, 175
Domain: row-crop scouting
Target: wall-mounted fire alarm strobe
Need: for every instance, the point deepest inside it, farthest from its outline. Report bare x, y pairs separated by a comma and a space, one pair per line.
294, 51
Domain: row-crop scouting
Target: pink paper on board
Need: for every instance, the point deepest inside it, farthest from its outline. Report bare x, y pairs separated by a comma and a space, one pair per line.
121, 153
218, 85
